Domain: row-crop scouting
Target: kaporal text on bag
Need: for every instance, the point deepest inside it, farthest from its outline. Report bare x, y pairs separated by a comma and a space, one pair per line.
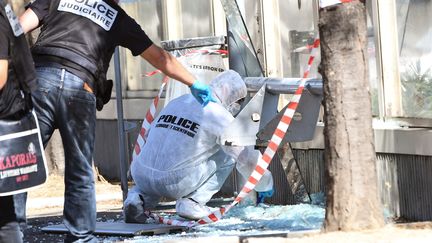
17, 164
96, 10
18, 171
17, 160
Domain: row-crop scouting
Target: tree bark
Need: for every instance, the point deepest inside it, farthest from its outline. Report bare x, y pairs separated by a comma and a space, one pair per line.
350, 162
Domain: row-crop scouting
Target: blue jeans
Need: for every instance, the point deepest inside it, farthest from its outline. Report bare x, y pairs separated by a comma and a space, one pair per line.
62, 103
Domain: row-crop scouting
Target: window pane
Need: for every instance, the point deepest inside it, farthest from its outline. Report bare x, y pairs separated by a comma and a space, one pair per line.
298, 31
299, 34
371, 51
196, 18
415, 38
242, 52
148, 14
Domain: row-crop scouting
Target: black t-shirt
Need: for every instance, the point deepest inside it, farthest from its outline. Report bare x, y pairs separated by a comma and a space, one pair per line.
92, 29
12, 103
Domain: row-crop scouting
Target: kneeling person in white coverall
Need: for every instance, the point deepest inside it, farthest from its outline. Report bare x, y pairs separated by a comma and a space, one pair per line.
182, 158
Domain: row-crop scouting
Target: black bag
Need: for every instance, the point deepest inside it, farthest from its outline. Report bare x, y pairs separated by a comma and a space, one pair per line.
103, 89
22, 159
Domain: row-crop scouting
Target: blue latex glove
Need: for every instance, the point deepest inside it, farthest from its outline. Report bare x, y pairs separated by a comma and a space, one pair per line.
202, 93
262, 195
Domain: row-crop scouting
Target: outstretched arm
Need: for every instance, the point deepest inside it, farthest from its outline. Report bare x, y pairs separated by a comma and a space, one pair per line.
3, 72
29, 20
168, 64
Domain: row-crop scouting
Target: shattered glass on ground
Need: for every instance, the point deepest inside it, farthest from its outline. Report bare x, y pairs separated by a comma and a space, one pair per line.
250, 220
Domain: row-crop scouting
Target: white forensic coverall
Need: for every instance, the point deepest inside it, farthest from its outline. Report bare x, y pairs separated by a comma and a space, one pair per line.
182, 157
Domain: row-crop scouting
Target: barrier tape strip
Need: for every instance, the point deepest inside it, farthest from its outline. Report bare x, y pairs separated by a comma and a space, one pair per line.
207, 52
148, 119
149, 74
264, 161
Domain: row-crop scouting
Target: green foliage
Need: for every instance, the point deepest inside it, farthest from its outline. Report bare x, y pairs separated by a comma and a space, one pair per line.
417, 91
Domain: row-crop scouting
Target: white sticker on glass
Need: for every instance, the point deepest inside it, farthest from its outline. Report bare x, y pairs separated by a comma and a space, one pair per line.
326, 3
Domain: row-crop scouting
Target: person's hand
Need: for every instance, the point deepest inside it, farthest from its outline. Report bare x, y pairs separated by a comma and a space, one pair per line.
202, 93
262, 195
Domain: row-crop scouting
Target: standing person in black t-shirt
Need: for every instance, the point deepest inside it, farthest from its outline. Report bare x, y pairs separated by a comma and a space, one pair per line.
72, 54
10, 215
14, 103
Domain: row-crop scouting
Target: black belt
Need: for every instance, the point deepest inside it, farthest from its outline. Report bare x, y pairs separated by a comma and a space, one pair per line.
58, 62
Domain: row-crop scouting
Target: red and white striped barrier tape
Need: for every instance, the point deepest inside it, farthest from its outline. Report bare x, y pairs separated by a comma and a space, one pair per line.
152, 73
169, 221
206, 52
148, 119
264, 161
326, 3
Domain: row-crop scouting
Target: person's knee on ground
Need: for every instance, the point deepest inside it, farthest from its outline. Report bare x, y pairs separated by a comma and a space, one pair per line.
224, 166
193, 206
134, 208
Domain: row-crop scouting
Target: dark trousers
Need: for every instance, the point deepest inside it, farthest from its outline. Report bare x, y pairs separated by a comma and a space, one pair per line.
12, 214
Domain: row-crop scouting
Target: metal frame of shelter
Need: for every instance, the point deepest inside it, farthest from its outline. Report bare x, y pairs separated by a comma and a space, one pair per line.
259, 116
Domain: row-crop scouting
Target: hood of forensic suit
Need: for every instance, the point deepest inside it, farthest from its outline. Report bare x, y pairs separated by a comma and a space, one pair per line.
228, 87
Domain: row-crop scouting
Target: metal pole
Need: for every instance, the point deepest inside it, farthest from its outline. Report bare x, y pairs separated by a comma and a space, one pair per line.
120, 124
283, 85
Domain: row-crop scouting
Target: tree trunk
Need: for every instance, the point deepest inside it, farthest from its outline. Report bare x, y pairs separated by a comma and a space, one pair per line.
350, 167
